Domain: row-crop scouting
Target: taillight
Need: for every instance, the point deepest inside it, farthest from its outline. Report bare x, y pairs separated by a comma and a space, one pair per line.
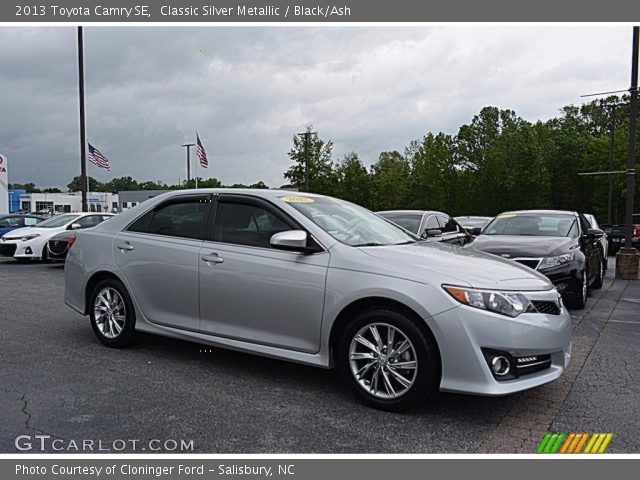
636, 231
71, 241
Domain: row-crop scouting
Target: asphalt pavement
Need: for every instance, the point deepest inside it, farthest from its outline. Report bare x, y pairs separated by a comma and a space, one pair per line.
58, 382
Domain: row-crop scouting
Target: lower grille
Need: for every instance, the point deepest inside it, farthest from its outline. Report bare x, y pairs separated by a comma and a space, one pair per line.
550, 308
529, 262
8, 250
532, 364
58, 246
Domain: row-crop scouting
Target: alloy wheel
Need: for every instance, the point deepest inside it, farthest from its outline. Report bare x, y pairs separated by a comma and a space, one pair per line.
109, 312
584, 285
383, 361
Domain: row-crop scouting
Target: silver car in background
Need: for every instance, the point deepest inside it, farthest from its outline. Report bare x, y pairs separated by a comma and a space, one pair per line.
323, 282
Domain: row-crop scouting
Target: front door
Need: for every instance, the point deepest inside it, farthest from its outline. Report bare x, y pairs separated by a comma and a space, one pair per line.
252, 292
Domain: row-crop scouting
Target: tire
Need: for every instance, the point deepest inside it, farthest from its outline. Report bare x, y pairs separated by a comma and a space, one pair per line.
599, 280
44, 257
115, 327
417, 383
579, 300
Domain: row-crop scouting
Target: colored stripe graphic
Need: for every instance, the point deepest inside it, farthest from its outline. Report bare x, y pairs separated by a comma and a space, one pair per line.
558, 442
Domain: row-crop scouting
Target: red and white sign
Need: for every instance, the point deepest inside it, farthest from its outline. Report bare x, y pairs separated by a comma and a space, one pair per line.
4, 185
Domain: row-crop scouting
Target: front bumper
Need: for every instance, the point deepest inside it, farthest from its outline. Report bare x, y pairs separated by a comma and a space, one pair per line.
465, 332
21, 249
566, 278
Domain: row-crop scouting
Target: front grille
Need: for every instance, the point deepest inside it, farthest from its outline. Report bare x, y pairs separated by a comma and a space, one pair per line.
58, 246
529, 262
550, 308
8, 249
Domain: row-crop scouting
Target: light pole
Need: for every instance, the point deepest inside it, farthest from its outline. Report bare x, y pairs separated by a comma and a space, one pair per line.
83, 139
188, 147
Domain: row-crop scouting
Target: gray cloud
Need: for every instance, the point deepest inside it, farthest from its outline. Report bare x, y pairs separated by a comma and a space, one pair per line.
247, 90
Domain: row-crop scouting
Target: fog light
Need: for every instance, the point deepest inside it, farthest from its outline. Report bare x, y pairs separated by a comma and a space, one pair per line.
28, 251
500, 365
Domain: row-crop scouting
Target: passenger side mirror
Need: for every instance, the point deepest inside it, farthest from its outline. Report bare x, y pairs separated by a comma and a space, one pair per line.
75, 226
293, 240
433, 233
475, 231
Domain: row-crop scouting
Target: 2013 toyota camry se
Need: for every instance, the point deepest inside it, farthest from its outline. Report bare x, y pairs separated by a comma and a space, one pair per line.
323, 282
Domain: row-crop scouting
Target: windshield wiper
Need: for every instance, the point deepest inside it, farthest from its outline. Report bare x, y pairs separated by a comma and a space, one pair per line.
407, 242
369, 244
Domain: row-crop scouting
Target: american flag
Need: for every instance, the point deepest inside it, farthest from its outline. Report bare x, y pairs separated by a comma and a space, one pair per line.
202, 155
98, 159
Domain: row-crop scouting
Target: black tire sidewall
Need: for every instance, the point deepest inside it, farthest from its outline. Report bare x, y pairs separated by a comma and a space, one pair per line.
128, 334
429, 369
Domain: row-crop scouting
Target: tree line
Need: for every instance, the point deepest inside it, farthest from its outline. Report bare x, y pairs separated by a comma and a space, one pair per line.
497, 162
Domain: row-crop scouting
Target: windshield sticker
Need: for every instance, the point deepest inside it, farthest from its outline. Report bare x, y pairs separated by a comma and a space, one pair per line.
297, 199
507, 215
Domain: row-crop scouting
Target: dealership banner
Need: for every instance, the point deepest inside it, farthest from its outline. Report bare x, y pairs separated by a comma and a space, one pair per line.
368, 468
84, 11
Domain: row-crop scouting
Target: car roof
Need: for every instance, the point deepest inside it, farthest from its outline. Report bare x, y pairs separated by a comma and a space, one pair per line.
541, 212
418, 212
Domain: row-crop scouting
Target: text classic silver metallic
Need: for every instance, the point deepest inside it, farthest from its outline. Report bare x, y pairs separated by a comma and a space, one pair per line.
320, 281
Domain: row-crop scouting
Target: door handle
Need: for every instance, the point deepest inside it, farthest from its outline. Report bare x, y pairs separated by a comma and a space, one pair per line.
124, 246
212, 258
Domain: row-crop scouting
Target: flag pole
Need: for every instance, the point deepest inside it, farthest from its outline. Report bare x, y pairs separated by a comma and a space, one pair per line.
197, 162
84, 183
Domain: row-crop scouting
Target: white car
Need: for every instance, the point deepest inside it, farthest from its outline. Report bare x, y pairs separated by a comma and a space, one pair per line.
31, 242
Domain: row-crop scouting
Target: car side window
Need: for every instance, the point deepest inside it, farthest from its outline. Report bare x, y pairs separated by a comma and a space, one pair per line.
185, 219
246, 224
432, 223
584, 224
447, 224
10, 222
88, 221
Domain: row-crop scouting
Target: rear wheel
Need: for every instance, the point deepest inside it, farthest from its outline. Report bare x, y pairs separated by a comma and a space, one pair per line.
112, 315
390, 363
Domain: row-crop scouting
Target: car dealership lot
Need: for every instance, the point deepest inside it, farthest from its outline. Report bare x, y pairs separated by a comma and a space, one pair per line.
58, 380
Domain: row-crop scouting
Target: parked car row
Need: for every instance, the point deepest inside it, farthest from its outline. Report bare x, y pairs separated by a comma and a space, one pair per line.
320, 281
616, 234
32, 242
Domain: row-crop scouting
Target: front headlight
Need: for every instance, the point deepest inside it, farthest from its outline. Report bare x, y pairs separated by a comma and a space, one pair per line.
505, 303
29, 237
550, 262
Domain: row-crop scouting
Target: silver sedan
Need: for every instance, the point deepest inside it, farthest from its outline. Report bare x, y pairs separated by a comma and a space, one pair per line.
323, 282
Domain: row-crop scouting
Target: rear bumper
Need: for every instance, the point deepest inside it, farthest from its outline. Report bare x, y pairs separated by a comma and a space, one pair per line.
467, 332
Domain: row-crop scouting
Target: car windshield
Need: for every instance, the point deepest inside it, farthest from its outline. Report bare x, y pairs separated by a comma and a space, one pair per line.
59, 221
547, 225
349, 223
409, 221
472, 221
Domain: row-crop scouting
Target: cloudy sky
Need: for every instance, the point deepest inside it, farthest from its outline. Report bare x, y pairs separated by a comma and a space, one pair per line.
247, 90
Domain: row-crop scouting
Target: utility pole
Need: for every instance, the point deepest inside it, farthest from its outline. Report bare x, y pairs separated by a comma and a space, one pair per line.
306, 158
633, 127
83, 133
188, 147
612, 149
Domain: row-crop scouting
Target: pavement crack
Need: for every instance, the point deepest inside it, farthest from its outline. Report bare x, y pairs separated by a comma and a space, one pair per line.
27, 420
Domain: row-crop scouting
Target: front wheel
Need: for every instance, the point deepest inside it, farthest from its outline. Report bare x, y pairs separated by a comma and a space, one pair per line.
599, 280
389, 362
112, 315
579, 300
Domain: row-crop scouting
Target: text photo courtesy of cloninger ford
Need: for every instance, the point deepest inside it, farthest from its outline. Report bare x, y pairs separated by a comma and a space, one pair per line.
319, 239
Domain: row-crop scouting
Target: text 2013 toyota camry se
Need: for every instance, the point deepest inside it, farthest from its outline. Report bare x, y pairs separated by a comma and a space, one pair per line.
323, 282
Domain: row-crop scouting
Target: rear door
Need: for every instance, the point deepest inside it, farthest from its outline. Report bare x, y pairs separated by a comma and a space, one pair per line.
252, 292
589, 247
158, 256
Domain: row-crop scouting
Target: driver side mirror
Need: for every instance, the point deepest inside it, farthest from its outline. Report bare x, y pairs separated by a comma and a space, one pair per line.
292, 240
75, 226
594, 233
475, 231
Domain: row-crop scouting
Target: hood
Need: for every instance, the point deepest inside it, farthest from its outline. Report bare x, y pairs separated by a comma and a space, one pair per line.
21, 232
522, 245
442, 263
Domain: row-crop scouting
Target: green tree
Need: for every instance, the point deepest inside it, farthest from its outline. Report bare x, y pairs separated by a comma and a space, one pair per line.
321, 174
76, 184
390, 181
353, 181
